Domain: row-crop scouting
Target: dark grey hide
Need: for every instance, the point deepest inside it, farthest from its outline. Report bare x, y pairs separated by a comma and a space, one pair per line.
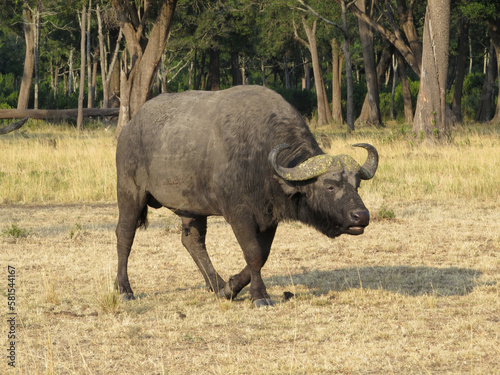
244, 154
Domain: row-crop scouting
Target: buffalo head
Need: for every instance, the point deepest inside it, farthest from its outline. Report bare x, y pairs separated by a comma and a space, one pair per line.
325, 188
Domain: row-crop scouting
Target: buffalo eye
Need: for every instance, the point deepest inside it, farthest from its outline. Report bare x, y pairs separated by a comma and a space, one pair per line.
330, 184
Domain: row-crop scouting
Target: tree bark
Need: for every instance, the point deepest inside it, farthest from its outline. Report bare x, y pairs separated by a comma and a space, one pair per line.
406, 18
13, 126
29, 59
348, 70
483, 113
430, 114
57, 114
306, 80
396, 38
324, 114
405, 88
235, 69
370, 112
213, 83
70, 73
79, 120
336, 82
36, 38
145, 49
494, 28
107, 71
463, 38
102, 58
90, 96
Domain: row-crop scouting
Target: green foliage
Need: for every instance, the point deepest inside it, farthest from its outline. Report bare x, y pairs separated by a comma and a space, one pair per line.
11, 52
8, 91
385, 99
304, 101
480, 9
254, 34
16, 232
473, 86
386, 213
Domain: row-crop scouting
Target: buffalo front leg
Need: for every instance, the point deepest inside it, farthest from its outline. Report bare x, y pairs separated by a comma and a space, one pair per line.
256, 246
194, 230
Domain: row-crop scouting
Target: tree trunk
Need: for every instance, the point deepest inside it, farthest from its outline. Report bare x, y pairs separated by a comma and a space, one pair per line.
370, 112
145, 48
107, 73
286, 72
200, 81
90, 99
430, 114
79, 120
93, 84
213, 83
348, 70
306, 81
405, 88
483, 113
102, 58
494, 27
13, 126
57, 114
29, 59
324, 114
113, 80
336, 82
460, 75
36, 29
235, 69
394, 82
70, 73
406, 17
395, 38
263, 71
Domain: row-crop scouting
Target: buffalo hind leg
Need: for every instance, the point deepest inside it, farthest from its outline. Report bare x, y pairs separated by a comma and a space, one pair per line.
256, 247
131, 216
194, 230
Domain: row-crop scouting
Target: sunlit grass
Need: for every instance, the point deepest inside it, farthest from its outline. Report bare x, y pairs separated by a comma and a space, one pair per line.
462, 167
56, 164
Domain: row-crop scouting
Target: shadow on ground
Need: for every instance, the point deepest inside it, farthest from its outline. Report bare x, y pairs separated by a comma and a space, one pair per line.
406, 280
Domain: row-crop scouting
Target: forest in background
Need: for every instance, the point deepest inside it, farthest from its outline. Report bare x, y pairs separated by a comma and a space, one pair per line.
213, 45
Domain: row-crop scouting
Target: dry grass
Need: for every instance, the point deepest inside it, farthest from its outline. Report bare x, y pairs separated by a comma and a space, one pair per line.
415, 294
57, 164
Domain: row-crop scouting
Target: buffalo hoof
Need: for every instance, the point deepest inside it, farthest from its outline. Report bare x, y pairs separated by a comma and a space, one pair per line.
227, 291
128, 297
264, 302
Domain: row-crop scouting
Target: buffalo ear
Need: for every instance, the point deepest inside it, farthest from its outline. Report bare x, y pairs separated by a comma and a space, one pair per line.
287, 187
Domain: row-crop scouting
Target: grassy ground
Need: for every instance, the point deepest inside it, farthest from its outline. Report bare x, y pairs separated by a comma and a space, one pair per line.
417, 293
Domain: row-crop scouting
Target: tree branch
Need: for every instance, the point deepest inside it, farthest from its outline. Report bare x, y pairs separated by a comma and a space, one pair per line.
14, 126
297, 36
313, 12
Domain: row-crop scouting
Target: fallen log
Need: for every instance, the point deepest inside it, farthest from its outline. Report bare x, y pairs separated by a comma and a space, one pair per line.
13, 126
57, 114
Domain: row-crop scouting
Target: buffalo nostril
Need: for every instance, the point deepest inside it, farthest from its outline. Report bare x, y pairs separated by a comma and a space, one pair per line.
360, 217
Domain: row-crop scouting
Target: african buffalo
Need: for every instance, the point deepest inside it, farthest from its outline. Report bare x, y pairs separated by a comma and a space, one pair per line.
244, 154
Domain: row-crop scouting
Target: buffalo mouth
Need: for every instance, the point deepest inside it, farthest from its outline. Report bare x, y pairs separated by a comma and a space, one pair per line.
355, 230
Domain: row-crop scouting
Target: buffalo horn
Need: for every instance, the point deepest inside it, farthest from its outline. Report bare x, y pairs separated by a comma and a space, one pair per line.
367, 171
312, 167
